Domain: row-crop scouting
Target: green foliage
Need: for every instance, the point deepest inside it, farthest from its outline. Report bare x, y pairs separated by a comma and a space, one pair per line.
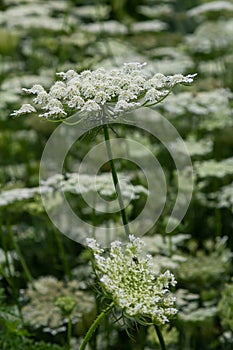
39, 38
13, 334
225, 307
195, 271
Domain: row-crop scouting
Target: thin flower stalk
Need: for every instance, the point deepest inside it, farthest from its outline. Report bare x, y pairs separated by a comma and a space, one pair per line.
115, 180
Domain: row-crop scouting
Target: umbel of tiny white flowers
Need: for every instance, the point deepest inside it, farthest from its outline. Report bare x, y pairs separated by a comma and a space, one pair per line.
128, 278
101, 93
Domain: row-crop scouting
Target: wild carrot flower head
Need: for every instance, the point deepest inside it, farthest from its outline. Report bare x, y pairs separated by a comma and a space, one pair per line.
115, 91
128, 278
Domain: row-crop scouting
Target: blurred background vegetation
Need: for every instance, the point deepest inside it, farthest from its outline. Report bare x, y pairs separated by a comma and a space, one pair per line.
37, 263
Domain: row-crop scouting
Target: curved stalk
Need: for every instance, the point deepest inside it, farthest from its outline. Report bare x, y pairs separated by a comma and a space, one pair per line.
94, 326
115, 180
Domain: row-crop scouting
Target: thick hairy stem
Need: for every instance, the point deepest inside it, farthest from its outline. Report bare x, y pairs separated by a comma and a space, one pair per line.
94, 326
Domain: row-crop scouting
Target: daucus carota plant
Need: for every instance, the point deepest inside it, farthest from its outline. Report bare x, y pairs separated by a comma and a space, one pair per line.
126, 277
102, 95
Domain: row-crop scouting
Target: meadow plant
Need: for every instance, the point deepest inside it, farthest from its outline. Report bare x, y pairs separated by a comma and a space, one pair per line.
49, 294
126, 276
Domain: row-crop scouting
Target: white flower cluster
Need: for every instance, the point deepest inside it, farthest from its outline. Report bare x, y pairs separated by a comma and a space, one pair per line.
120, 90
128, 278
35, 15
101, 183
213, 168
211, 7
190, 310
224, 197
20, 194
195, 147
212, 37
212, 109
40, 309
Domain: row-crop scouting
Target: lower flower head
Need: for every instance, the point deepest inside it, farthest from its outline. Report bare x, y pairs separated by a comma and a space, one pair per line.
128, 278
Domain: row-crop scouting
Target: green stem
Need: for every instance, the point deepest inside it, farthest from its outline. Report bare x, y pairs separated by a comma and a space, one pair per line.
170, 245
160, 337
115, 180
20, 256
94, 326
63, 253
69, 332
